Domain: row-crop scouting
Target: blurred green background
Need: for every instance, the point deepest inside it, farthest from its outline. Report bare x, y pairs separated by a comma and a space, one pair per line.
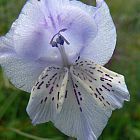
124, 124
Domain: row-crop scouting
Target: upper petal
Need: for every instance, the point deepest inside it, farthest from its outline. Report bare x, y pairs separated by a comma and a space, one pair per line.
28, 39
87, 8
81, 29
102, 47
40, 20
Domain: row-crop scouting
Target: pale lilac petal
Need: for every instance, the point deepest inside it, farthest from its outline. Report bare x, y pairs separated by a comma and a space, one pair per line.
107, 88
33, 34
81, 117
52, 6
5, 46
102, 47
6, 42
87, 8
37, 25
21, 73
81, 29
28, 39
48, 94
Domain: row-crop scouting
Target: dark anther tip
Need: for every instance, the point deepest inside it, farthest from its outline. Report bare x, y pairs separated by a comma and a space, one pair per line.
60, 40
54, 44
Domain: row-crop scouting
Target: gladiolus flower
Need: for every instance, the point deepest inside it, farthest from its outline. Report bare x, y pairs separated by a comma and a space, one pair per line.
56, 50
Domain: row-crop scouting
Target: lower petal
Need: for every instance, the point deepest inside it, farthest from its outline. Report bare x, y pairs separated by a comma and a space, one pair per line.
48, 94
106, 87
81, 117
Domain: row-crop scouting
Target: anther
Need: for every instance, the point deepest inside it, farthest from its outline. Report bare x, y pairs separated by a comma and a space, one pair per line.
60, 40
54, 44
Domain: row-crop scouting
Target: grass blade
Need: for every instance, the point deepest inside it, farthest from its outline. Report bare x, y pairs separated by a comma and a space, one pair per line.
29, 135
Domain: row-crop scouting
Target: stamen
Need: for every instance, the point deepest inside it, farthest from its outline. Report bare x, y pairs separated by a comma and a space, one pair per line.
60, 40
59, 43
54, 44
62, 30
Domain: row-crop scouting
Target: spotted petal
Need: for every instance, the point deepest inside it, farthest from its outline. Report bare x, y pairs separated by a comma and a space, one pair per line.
76, 113
47, 95
107, 88
89, 95
81, 116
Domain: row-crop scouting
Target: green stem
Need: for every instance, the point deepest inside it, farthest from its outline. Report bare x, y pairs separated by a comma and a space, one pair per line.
29, 135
